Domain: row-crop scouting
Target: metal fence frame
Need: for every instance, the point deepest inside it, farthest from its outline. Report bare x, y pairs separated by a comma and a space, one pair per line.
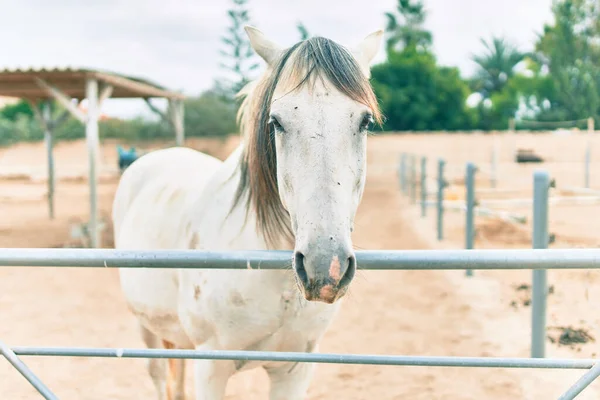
540, 236
536, 259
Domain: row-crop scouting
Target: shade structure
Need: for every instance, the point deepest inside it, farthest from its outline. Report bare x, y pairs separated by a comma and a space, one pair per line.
68, 86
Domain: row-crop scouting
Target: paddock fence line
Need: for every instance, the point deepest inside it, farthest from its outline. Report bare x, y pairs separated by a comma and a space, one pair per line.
536, 259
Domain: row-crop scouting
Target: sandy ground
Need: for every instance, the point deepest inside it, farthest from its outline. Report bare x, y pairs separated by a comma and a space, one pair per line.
386, 312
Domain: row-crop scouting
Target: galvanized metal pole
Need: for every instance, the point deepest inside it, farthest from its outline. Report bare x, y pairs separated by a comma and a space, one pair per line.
541, 186
413, 179
402, 173
494, 165
582, 383
470, 211
457, 259
587, 164
20, 366
329, 358
440, 199
423, 186
91, 133
50, 155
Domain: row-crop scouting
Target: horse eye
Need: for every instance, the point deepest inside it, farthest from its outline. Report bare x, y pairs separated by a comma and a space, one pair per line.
276, 124
366, 122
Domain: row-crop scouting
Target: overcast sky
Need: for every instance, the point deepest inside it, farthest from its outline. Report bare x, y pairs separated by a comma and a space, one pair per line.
176, 43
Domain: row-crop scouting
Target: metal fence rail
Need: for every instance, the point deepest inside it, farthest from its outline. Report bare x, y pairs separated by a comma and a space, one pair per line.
24, 370
593, 366
323, 358
460, 259
367, 260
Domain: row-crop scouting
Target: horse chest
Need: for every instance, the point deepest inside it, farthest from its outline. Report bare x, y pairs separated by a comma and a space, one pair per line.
254, 315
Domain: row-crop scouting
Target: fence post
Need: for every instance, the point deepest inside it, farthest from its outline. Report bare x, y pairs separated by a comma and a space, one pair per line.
402, 173
587, 164
423, 186
588, 151
541, 186
440, 199
413, 179
494, 165
470, 211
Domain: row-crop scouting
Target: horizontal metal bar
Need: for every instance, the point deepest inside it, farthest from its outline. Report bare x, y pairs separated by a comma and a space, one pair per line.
367, 259
432, 361
24, 370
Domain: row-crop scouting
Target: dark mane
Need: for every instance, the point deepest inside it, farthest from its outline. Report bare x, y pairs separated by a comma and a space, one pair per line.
298, 66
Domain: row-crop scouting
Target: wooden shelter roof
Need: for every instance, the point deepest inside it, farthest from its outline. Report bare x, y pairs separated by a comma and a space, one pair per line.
23, 83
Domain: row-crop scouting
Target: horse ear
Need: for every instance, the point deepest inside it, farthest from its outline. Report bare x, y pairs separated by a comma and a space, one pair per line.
367, 50
265, 48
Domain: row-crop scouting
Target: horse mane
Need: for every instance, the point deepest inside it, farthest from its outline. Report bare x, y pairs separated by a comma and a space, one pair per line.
298, 66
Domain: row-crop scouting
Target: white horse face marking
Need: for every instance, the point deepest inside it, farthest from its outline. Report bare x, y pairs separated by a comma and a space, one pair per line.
321, 144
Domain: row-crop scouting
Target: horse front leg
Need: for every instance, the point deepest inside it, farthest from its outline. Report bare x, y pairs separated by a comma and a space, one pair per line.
211, 376
290, 381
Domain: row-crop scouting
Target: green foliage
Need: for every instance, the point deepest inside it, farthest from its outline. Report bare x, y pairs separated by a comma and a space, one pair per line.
12, 111
405, 29
561, 81
571, 51
22, 128
302, 31
239, 55
496, 66
416, 94
210, 114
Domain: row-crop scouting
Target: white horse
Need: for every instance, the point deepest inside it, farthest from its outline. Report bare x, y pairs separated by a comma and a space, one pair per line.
295, 182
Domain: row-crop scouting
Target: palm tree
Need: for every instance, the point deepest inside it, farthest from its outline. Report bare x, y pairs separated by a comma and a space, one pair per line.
496, 65
405, 30
304, 34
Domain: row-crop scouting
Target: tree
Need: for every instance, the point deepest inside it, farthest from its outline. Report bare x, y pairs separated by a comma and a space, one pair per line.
496, 66
569, 49
12, 111
238, 50
416, 94
529, 92
303, 31
405, 29
210, 114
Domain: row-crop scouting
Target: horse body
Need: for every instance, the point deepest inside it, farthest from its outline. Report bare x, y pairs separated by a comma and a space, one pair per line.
157, 208
299, 191
152, 210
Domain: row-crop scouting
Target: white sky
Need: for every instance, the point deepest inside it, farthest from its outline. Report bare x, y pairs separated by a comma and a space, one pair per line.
177, 43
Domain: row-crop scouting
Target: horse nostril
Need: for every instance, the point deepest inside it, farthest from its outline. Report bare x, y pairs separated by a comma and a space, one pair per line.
300, 270
350, 271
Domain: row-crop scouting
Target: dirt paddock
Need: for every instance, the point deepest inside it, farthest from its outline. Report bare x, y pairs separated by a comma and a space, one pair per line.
386, 312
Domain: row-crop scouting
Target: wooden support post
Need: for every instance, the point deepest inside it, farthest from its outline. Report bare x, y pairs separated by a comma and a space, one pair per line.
50, 155
105, 93
91, 133
45, 120
176, 115
62, 98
